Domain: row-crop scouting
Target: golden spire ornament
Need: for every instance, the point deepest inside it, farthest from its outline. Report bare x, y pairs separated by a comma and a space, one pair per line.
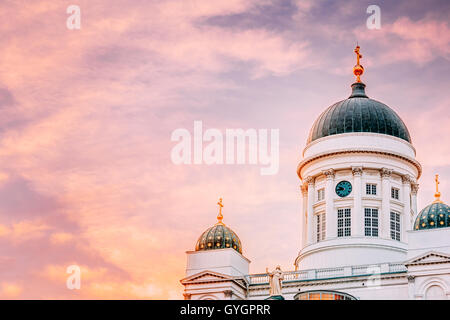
220, 216
437, 195
358, 69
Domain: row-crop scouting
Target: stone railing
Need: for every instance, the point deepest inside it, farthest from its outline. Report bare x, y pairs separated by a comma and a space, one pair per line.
327, 273
397, 267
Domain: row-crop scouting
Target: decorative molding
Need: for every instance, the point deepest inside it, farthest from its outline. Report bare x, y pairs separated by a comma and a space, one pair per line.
357, 171
304, 188
206, 276
306, 161
187, 296
407, 179
330, 173
309, 180
228, 293
430, 257
432, 282
385, 172
414, 188
411, 278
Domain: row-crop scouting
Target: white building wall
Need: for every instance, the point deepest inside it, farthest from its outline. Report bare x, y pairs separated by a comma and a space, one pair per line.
423, 241
360, 141
337, 253
215, 291
225, 261
376, 287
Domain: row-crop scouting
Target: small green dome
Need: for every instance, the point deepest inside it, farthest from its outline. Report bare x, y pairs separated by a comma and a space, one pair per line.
358, 113
218, 236
435, 215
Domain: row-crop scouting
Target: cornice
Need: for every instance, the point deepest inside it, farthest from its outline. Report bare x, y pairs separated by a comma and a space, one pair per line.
353, 151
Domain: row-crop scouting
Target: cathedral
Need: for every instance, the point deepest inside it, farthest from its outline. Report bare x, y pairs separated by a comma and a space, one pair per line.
362, 236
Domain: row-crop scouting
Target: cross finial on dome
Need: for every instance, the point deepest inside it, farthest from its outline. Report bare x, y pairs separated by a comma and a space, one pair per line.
358, 69
220, 216
437, 195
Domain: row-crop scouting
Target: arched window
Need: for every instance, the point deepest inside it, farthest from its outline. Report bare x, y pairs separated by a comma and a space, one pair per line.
433, 289
323, 295
435, 292
208, 297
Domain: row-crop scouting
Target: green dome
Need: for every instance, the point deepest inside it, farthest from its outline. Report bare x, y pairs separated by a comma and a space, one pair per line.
358, 113
435, 215
218, 236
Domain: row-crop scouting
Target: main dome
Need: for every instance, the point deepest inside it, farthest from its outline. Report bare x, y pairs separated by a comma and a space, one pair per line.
359, 113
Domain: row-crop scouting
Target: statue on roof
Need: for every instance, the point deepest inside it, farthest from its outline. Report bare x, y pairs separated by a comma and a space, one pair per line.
275, 279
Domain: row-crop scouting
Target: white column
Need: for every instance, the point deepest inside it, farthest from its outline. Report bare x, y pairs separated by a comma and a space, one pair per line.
414, 189
303, 217
411, 287
406, 199
310, 211
357, 212
330, 216
385, 203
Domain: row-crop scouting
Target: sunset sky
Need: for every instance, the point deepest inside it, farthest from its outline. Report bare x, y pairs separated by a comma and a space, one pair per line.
86, 118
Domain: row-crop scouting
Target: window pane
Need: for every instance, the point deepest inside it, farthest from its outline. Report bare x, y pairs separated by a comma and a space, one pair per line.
395, 226
327, 296
314, 296
344, 222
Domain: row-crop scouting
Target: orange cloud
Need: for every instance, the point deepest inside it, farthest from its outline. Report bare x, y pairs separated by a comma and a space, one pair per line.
10, 291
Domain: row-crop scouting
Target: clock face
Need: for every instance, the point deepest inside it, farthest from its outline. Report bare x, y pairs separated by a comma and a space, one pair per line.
343, 188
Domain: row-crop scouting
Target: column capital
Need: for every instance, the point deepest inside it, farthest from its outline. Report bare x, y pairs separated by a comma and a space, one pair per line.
385, 172
187, 296
414, 188
357, 171
228, 293
407, 179
304, 188
330, 173
309, 180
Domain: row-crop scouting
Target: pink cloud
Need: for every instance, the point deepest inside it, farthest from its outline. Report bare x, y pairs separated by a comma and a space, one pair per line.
407, 40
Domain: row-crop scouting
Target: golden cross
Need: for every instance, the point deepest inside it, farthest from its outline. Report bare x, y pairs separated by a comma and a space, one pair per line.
220, 216
358, 55
358, 69
437, 195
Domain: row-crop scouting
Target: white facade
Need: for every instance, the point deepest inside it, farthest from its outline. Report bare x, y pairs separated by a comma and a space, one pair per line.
224, 261
360, 243
359, 159
216, 274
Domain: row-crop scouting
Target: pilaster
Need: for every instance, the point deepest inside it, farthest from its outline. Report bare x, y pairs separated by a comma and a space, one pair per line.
385, 202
